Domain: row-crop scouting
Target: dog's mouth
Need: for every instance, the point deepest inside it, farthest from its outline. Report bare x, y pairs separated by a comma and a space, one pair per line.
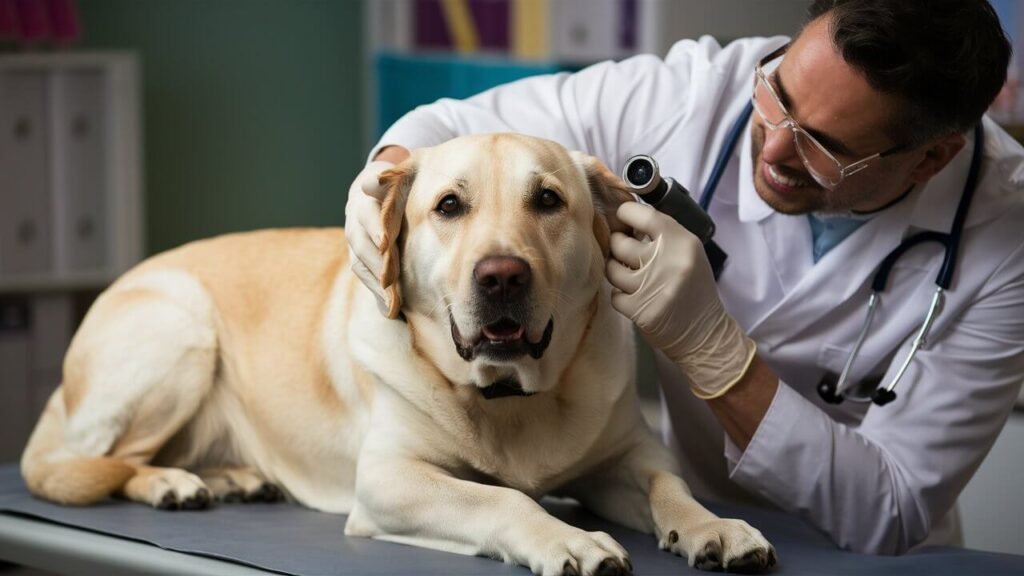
503, 340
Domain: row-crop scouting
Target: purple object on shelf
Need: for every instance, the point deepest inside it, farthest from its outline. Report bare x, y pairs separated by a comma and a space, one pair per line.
628, 23
32, 20
38, 21
63, 20
492, 22
8, 19
431, 28
491, 19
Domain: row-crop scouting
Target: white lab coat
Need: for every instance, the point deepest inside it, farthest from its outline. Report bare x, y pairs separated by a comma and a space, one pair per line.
875, 479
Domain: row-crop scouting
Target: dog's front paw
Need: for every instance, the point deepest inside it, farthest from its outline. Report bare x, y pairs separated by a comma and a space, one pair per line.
583, 554
169, 489
727, 544
241, 485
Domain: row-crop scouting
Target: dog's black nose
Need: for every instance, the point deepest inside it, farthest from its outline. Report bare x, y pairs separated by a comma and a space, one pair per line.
502, 278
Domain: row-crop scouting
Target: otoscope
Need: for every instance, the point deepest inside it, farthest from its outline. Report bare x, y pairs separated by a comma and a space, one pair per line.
668, 196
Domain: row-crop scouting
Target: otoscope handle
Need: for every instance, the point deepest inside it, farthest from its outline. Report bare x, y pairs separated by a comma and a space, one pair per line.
673, 199
669, 197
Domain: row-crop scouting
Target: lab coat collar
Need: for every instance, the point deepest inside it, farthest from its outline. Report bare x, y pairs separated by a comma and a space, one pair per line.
937, 203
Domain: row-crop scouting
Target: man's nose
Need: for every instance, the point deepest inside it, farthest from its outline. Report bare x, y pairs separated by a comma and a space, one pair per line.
502, 278
780, 146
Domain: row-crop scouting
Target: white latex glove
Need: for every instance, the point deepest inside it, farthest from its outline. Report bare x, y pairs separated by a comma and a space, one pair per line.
666, 287
363, 228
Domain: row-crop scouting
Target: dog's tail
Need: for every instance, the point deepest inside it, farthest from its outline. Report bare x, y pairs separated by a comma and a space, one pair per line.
76, 480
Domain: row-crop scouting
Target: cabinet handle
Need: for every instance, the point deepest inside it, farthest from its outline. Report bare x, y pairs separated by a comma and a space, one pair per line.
22, 128
85, 228
80, 127
26, 231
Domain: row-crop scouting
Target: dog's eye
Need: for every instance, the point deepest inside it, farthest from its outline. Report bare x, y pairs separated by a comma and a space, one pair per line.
449, 205
548, 199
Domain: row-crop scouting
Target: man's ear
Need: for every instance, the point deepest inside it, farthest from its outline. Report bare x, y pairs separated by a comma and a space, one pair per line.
396, 183
608, 192
936, 156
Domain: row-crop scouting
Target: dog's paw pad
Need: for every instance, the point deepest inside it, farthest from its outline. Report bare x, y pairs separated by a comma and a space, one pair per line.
753, 561
169, 501
267, 492
611, 567
201, 500
710, 558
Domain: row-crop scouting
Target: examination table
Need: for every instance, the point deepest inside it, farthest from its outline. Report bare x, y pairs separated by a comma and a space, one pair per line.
119, 537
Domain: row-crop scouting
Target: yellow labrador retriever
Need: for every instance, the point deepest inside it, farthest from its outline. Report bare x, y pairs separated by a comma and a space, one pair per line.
233, 366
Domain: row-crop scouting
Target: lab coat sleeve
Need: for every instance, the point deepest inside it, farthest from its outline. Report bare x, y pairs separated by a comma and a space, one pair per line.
600, 110
879, 488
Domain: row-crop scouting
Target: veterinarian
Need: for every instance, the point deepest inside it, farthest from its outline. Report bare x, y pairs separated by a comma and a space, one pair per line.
862, 133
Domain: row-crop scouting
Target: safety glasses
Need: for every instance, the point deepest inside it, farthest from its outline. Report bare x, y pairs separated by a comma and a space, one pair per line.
820, 163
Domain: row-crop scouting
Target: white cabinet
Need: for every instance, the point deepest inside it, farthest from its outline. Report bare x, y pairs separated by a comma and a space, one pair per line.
70, 170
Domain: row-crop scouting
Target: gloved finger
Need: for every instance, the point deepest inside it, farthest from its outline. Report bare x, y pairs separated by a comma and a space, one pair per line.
642, 218
630, 251
624, 304
371, 282
621, 277
367, 255
370, 182
367, 212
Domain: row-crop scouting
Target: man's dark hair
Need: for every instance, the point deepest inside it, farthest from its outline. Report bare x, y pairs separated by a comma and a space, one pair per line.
946, 59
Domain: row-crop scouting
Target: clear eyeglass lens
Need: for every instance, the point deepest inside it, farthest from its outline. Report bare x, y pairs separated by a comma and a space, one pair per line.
821, 166
818, 163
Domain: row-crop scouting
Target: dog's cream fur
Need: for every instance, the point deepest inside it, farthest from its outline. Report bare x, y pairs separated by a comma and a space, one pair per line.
259, 358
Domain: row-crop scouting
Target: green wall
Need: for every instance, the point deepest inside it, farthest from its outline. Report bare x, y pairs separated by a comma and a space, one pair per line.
252, 109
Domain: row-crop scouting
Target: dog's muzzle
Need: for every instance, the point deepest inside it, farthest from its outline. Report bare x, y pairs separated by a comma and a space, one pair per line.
503, 340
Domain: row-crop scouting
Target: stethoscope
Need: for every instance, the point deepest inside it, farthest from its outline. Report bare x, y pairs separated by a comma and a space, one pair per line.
835, 392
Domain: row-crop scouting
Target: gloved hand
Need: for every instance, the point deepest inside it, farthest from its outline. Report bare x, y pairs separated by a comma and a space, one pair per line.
363, 228
667, 289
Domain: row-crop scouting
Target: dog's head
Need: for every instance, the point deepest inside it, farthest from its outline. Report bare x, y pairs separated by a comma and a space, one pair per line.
494, 247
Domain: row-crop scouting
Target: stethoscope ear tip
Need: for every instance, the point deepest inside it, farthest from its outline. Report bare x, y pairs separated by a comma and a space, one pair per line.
882, 396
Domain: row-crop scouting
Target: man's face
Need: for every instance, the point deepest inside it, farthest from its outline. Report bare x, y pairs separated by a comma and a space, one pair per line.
835, 103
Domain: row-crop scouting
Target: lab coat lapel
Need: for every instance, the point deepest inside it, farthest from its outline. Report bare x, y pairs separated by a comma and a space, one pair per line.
851, 265
847, 268
812, 290
788, 238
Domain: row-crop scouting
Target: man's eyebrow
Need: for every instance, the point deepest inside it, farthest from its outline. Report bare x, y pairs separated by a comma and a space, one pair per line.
829, 142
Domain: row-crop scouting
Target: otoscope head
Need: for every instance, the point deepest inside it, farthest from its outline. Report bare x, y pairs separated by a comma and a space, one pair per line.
641, 173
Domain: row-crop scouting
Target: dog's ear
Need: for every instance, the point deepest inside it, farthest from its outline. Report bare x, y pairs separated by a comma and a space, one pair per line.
396, 183
609, 192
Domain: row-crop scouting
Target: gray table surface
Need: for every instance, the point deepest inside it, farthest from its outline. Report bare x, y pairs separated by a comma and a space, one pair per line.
129, 538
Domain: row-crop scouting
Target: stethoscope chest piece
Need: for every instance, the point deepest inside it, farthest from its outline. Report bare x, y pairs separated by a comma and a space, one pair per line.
833, 392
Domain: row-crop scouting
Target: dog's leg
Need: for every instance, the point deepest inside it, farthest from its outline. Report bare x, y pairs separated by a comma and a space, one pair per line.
417, 503
137, 370
642, 490
240, 485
